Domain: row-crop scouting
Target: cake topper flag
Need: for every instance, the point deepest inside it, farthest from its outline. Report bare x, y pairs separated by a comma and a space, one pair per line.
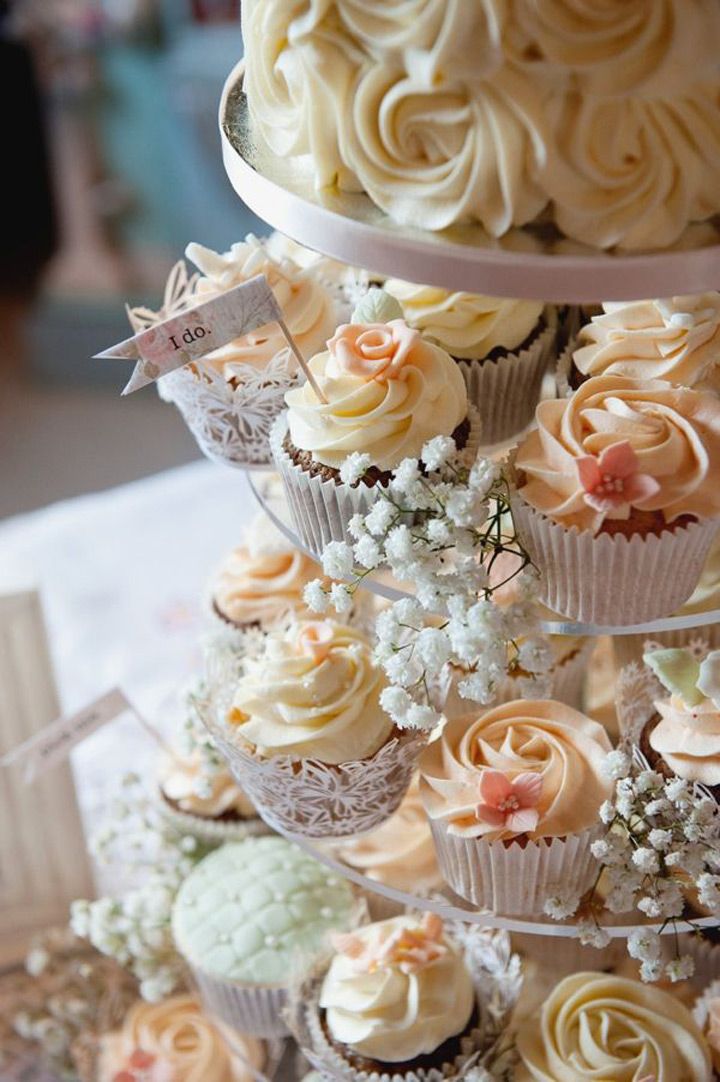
199, 330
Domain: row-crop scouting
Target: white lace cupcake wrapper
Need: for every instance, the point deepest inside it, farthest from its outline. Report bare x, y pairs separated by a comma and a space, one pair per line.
506, 391
629, 648
613, 580
253, 1009
511, 880
321, 508
209, 831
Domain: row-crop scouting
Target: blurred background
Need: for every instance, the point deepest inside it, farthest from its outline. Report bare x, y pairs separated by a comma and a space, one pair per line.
115, 166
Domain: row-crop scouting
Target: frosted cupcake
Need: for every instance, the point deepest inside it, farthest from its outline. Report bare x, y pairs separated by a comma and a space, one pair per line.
706, 1014
260, 584
513, 798
388, 392
616, 499
250, 919
677, 340
307, 738
501, 347
682, 739
175, 1042
401, 999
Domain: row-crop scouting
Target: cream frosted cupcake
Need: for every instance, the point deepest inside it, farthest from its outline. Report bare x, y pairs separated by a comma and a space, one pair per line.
250, 919
175, 1042
677, 340
513, 798
400, 999
595, 1025
501, 347
388, 392
306, 735
616, 499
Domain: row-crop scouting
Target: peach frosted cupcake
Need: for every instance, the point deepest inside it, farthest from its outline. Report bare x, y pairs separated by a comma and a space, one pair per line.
501, 347
616, 498
513, 797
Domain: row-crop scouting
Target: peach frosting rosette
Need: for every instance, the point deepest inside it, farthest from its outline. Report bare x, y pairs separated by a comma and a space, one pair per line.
529, 769
262, 587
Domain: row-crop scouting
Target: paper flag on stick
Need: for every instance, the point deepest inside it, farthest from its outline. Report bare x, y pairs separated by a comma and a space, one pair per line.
201, 329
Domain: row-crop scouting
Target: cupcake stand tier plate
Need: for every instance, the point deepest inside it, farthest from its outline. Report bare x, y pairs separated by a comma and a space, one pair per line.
532, 263
528, 262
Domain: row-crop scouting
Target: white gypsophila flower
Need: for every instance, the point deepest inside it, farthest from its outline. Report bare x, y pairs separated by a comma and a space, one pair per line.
439, 532
607, 811
680, 969
709, 891
379, 517
403, 670
646, 860
316, 597
399, 545
600, 849
651, 907
433, 649
651, 970
592, 935
396, 702
484, 474
644, 945
340, 598
535, 655
36, 961
368, 552
677, 791
615, 765
648, 779
670, 897
465, 507
560, 906
476, 687
621, 897
405, 477
436, 452
660, 806
660, 839
357, 526
354, 467
80, 918
337, 560
423, 717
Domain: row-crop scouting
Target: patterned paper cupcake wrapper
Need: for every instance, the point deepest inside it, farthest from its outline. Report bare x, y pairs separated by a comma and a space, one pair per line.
629, 648
559, 956
506, 391
613, 581
512, 880
209, 831
497, 978
321, 509
562, 370
251, 1009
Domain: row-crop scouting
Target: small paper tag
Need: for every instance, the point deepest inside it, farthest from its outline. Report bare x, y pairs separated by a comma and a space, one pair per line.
197, 331
55, 742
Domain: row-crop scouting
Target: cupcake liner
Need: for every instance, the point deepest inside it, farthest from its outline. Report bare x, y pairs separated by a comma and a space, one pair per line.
706, 956
496, 976
562, 955
506, 391
562, 370
513, 880
629, 648
321, 509
209, 831
254, 1009
612, 581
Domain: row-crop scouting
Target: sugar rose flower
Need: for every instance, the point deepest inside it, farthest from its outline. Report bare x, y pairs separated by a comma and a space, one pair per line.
673, 434
374, 350
605, 1027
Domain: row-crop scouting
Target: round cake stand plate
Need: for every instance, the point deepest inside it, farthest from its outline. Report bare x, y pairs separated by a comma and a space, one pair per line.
528, 262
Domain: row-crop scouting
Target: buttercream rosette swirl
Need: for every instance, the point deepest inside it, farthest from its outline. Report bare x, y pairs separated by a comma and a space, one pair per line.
254, 587
677, 340
174, 1041
688, 739
218, 796
313, 693
598, 1026
388, 391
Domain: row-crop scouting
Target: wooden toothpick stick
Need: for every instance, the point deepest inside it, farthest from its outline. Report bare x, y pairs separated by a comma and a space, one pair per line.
301, 361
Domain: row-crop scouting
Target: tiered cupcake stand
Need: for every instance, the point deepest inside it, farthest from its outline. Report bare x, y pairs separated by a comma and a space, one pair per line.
528, 263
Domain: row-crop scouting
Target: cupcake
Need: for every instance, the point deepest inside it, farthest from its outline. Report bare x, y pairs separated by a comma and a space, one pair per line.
249, 920
676, 339
513, 798
616, 500
399, 854
388, 392
594, 1025
261, 583
707, 1016
175, 1042
501, 347
230, 398
682, 739
401, 999
307, 738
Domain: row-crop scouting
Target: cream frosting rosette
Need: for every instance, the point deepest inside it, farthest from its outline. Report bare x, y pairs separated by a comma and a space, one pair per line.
688, 738
673, 434
467, 325
597, 1026
308, 307
314, 693
397, 990
446, 153
174, 1041
563, 748
677, 340
262, 587
632, 173
388, 391
651, 47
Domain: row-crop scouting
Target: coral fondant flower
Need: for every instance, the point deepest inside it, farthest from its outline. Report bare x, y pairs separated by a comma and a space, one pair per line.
375, 350
612, 481
509, 804
406, 947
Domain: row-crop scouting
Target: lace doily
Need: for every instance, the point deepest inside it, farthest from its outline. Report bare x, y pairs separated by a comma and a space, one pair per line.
305, 796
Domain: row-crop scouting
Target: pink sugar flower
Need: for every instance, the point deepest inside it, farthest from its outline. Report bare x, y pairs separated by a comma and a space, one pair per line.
612, 480
509, 804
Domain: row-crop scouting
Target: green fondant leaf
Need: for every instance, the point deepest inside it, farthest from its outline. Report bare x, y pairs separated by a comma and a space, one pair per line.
678, 671
376, 306
709, 680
